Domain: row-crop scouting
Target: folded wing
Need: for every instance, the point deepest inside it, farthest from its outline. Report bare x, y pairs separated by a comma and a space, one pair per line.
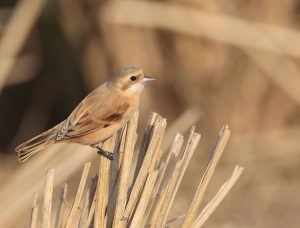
89, 117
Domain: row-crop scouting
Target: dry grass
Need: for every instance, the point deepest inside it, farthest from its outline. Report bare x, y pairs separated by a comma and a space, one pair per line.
120, 196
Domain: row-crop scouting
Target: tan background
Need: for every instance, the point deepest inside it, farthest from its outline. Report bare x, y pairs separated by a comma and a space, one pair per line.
234, 62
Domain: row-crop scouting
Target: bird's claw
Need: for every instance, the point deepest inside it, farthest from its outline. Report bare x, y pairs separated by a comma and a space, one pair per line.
108, 155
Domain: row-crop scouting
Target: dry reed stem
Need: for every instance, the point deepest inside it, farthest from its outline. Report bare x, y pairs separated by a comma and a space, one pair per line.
91, 213
61, 208
154, 194
190, 149
166, 174
15, 34
172, 157
125, 171
118, 159
149, 159
216, 155
214, 203
102, 191
165, 196
145, 143
47, 201
88, 201
34, 212
143, 201
146, 199
179, 171
57, 156
77, 200
115, 174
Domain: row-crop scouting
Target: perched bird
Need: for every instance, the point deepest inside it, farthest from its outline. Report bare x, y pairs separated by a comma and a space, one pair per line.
97, 117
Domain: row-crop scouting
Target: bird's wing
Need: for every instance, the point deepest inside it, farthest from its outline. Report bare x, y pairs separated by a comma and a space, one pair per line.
92, 113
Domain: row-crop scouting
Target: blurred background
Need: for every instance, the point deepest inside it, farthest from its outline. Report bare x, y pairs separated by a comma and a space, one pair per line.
216, 62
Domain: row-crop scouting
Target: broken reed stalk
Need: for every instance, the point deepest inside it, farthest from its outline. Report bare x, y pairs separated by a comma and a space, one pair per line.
61, 207
34, 212
88, 202
140, 195
47, 202
102, 190
214, 203
75, 207
125, 171
217, 152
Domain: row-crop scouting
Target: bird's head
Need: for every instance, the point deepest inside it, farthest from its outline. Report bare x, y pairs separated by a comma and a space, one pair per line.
130, 80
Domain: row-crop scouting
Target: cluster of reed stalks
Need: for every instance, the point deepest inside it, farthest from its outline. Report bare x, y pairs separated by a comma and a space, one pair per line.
126, 195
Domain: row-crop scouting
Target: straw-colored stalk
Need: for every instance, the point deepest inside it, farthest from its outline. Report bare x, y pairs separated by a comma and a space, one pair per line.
141, 195
61, 207
34, 212
47, 200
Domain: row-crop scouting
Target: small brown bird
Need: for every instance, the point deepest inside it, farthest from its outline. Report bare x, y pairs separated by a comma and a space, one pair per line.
97, 117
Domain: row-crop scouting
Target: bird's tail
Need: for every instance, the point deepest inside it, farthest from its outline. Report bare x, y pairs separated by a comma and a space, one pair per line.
36, 144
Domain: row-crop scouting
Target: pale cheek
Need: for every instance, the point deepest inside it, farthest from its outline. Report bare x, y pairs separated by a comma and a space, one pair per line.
135, 89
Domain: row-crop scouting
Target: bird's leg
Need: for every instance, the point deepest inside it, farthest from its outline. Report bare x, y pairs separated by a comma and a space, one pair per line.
108, 155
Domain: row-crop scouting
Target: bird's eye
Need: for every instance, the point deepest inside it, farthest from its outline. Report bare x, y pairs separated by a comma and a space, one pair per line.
133, 78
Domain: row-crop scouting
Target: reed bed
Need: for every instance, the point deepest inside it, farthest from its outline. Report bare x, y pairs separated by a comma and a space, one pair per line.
234, 60
125, 193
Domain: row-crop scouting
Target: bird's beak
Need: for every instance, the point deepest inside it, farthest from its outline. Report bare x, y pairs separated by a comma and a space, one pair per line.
148, 78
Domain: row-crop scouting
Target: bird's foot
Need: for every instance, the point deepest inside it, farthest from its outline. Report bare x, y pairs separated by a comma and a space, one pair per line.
108, 155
